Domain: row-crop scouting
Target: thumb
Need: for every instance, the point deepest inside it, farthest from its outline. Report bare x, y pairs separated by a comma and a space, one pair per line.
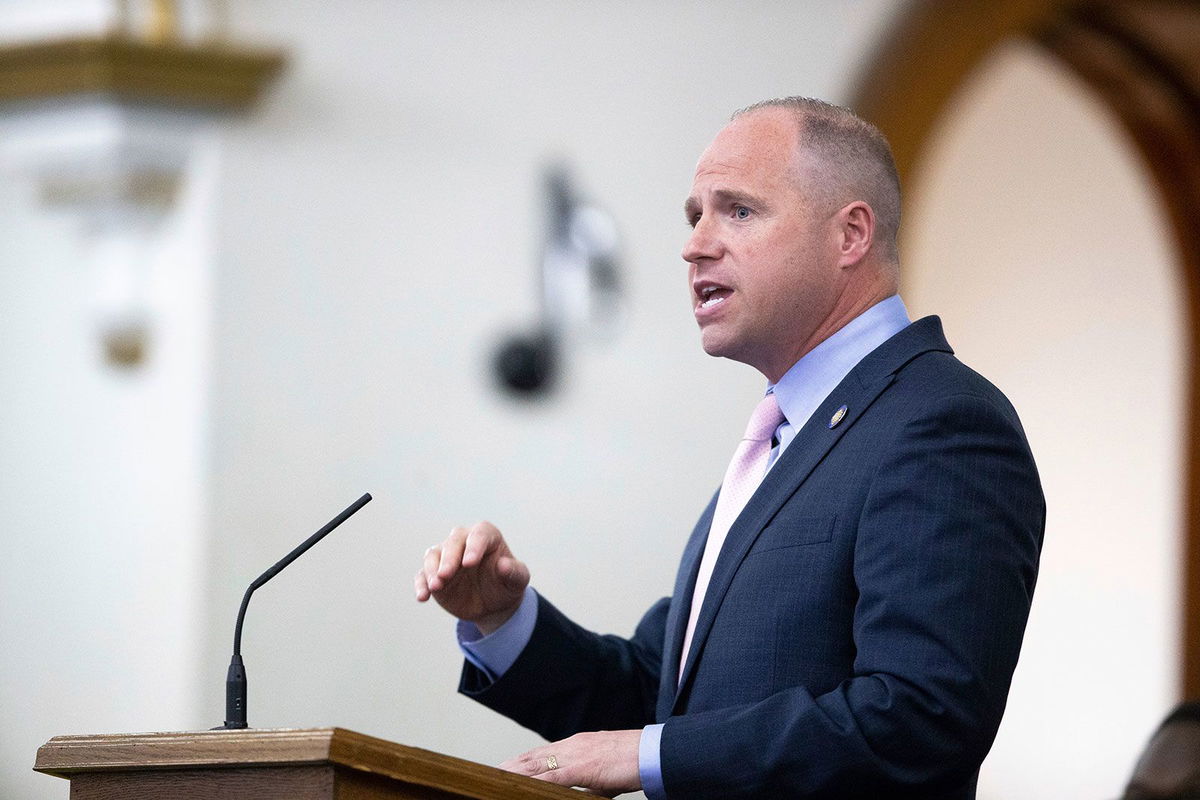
512, 573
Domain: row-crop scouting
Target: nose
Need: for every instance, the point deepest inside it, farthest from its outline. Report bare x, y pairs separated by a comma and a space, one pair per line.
704, 243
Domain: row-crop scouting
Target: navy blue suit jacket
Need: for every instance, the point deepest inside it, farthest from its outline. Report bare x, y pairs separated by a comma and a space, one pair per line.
864, 617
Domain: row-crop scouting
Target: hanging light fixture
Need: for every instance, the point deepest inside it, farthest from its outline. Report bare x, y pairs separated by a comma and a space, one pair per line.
105, 126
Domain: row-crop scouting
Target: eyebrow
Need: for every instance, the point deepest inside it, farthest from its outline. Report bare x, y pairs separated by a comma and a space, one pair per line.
723, 197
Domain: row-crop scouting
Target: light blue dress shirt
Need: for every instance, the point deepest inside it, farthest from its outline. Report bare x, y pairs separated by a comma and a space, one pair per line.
799, 392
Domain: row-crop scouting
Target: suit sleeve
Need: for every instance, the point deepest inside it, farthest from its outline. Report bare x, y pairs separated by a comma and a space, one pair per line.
944, 564
569, 679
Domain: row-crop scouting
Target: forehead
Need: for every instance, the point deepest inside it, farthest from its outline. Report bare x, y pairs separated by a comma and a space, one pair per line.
761, 147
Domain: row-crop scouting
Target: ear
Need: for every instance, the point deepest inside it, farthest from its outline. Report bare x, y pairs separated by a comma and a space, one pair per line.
856, 233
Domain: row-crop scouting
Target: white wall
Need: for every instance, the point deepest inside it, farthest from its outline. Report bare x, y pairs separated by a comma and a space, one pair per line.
1033, 232
102, 488
102, 469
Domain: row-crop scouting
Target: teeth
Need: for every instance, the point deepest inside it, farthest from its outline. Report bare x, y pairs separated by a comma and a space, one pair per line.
712, 301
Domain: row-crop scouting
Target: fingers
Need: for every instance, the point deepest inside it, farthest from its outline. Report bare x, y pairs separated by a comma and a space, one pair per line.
602, 762
448, 559
484, 539
421, 581
542, 764
481, 540
462, 548
473, 575
426, 581
452, 554
421, 587
430, 565
533, 763
442, 561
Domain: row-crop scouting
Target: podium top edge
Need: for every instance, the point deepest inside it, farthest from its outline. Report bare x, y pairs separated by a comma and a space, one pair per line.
66, 756
63, 755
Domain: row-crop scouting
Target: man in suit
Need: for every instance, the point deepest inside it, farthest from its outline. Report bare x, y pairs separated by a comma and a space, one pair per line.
850, 606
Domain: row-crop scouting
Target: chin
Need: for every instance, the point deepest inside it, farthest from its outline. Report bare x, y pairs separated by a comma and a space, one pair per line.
718, 346
712, 344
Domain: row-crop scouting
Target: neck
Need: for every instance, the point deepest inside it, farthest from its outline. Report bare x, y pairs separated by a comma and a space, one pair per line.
854, 299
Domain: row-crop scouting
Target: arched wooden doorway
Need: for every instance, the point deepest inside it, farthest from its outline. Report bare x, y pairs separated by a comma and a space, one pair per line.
1142, 57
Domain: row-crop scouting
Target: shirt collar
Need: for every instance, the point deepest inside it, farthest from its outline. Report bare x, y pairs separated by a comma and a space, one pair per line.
810, 380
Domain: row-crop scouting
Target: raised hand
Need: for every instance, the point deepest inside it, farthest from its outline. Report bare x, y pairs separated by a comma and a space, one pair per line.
474, 576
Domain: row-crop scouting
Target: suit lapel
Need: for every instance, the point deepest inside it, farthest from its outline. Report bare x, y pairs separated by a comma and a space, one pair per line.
857, 391
685, 584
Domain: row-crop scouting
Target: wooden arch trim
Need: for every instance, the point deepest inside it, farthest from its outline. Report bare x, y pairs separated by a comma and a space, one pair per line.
1142, 58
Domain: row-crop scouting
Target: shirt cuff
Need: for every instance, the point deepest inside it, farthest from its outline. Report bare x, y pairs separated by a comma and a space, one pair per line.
650, 763
496, 652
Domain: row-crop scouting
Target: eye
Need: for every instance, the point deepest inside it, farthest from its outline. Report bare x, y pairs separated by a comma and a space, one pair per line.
741, 212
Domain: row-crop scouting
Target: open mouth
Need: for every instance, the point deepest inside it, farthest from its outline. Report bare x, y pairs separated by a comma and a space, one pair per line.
711, 296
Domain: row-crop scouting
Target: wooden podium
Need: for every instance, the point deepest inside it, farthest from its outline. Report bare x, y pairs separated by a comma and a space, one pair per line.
274, 764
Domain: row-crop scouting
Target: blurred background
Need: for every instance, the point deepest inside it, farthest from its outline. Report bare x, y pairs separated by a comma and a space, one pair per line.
230, 307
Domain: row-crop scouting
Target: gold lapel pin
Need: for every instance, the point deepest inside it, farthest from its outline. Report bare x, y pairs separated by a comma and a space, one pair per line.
837, 417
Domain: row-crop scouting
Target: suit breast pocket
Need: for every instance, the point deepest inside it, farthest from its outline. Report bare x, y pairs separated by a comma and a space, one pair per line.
791, 530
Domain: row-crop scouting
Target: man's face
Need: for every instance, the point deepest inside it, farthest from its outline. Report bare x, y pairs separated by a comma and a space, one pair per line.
763, 254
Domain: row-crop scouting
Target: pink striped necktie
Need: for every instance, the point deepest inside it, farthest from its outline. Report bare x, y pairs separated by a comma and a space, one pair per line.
745, 473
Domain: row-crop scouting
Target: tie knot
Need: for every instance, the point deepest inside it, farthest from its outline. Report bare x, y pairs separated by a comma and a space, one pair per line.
765, 419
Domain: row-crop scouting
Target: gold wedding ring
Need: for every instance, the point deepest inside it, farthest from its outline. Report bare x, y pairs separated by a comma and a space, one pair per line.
551, 762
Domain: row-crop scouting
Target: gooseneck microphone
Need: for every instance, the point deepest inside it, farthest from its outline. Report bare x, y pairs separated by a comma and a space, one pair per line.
235, 679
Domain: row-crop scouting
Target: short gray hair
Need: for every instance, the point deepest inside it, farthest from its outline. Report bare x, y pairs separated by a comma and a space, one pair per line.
857, 156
